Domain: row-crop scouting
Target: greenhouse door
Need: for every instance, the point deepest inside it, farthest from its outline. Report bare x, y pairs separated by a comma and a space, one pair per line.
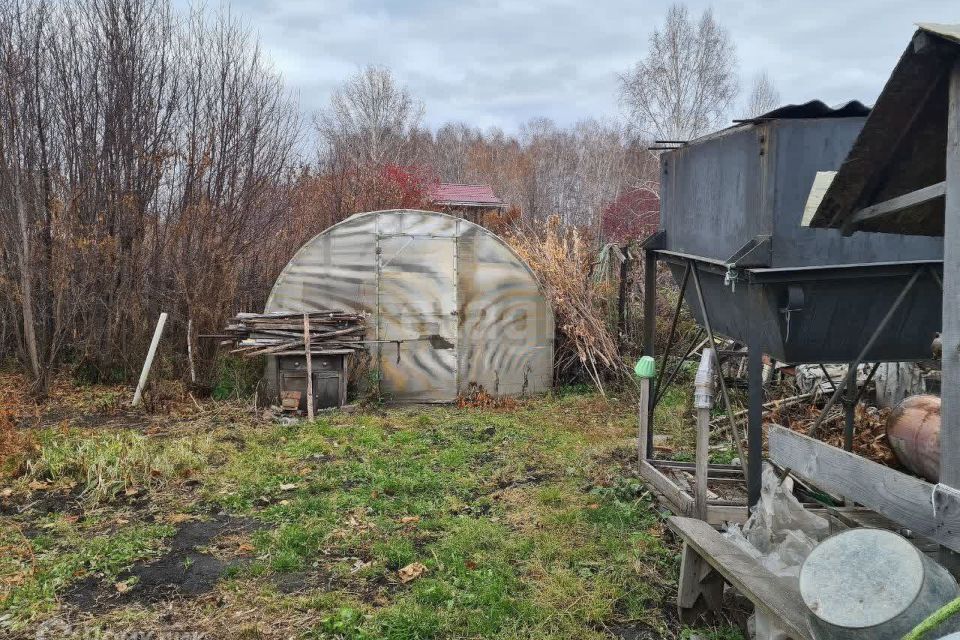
417, 308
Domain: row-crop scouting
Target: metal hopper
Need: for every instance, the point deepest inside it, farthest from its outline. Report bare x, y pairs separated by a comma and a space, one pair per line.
732, 235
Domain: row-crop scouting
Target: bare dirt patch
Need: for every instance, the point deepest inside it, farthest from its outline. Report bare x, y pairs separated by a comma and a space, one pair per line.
188, 569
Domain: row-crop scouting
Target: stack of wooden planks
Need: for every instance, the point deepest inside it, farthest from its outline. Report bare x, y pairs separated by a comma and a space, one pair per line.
282, 334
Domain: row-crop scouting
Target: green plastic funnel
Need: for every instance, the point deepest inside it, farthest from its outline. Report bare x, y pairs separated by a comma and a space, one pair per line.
646, 367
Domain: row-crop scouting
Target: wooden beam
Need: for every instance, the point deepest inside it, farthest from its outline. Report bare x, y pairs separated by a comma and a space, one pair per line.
681, 502
903, 498
893, 205
776, 597
950, 332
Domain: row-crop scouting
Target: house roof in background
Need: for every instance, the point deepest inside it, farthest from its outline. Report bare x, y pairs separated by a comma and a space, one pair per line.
902, 147
466, 194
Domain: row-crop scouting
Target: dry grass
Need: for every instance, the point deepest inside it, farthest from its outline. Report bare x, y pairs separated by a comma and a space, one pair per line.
562, 259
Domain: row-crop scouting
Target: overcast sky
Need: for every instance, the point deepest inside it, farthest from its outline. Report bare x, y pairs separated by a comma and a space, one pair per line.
500, 63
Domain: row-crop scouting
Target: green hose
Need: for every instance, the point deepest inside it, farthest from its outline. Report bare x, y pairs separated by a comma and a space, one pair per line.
935, 619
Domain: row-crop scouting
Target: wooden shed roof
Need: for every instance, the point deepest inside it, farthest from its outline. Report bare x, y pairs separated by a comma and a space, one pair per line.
902, 147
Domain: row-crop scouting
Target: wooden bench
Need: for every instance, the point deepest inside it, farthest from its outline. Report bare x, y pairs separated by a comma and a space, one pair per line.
709, 560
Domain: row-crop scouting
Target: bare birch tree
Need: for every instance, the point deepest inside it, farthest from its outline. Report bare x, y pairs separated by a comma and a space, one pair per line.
764, 96
687, 81
371, 118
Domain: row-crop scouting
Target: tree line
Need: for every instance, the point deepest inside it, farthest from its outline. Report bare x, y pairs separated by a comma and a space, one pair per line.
151, 159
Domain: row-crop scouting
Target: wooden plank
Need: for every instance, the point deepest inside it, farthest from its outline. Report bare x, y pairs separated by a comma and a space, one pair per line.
898, 496
950, 334
720, 515
776, 597
700, 587
151, 352
893, 205
681, 503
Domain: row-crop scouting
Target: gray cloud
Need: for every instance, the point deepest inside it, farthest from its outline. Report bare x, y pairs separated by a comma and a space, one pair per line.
501, 62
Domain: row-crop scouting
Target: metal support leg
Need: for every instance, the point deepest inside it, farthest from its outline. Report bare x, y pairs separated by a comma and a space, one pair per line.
649, 328
754, 421
850, 410
673, 329
734, 432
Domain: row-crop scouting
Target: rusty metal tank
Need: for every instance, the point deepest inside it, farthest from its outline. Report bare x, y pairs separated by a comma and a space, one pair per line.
913, 430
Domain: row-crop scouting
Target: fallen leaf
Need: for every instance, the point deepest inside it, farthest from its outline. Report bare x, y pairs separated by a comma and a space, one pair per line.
131, 491
288, 487
121, 587
245, 549
36, 485
593, 505
6, 493
409, 519
411, 572
470, 564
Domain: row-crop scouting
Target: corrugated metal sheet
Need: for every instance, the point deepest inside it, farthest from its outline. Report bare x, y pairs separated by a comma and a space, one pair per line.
460, 304
816, 109
902, 146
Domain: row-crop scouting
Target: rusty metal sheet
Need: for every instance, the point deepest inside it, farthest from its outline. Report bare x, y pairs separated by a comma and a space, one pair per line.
464, 308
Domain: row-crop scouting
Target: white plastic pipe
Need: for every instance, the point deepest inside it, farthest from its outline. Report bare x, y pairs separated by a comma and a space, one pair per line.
145, 373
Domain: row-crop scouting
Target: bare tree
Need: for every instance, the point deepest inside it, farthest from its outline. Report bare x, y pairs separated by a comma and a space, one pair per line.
687, 81
371, 118
764, 96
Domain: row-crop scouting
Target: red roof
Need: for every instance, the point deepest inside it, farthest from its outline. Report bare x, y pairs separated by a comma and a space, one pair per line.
466, 194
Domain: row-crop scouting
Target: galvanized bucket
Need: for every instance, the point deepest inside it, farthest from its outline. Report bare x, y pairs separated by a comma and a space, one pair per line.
871, 584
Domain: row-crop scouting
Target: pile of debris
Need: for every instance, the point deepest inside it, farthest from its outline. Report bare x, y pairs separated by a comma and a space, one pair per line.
282, 334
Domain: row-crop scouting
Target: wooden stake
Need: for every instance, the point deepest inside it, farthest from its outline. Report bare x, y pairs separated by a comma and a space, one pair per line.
702, 463
145, 372
306, 350
193, 371
643, 416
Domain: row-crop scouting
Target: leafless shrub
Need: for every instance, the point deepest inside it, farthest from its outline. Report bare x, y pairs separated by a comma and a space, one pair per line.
141, 154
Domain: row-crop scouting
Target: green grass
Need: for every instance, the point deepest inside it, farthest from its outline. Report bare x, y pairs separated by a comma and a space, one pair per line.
104, 465
526, 522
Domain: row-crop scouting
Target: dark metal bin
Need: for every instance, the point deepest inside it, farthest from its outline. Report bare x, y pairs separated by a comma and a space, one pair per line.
732, 207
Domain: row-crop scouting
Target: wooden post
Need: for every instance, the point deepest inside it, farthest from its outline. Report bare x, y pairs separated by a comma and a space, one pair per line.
649, 327
950, 334
622, 295
643, 420
306, 351
702, 462
193, 371
145, 372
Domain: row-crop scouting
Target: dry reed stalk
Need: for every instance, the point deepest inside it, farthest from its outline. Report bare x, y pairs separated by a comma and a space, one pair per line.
561, 257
